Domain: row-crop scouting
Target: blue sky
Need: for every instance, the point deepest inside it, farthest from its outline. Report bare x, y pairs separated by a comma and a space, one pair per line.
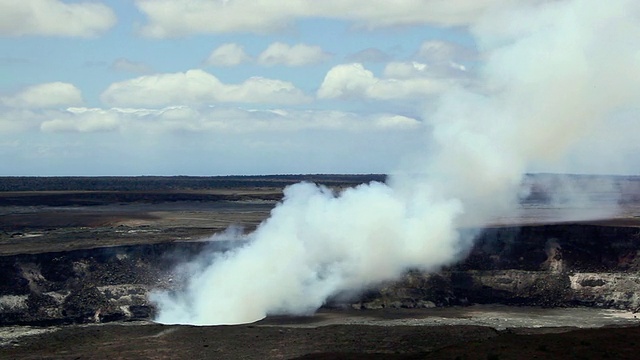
205, 87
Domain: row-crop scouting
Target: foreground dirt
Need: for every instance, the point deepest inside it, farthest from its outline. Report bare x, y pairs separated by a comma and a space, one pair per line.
151, 341
476, 332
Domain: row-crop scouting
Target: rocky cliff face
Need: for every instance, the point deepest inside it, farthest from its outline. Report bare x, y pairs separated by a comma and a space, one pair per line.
550, 265
93, 285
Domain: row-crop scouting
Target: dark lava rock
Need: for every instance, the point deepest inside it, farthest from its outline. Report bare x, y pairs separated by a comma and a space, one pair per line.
84, 304
42, 307
141, 312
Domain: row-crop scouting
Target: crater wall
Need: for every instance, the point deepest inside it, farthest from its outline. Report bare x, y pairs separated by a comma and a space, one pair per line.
548, 265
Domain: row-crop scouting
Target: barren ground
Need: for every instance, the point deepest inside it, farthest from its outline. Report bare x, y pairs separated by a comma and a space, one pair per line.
398, 334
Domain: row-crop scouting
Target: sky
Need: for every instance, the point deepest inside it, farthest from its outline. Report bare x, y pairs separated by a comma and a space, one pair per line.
238, 87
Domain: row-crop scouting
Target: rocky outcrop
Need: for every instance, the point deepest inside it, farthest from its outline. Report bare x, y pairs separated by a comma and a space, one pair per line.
550, 265
510, 287
94, 285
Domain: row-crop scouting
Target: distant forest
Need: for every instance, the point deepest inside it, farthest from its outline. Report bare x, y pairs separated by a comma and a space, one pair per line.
174, 183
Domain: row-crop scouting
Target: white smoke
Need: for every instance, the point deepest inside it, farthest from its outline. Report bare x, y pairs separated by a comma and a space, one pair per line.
551, 72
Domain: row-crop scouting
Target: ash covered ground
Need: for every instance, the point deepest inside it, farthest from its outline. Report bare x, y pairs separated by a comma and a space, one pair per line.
78, 257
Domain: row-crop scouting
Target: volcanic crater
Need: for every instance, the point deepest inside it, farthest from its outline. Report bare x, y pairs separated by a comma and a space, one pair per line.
89, 251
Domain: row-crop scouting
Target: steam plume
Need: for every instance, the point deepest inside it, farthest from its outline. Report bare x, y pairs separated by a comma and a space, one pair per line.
552, 71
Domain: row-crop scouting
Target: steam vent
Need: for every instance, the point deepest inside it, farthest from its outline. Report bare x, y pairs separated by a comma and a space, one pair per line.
74, 250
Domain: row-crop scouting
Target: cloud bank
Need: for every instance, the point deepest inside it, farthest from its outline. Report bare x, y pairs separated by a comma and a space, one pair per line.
173, 18
221, 120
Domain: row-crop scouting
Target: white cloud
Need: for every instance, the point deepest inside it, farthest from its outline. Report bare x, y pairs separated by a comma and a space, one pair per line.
45, 95
54, 17
401, 80
297, 55
89, 120
126, 65
229, 54
230, 120
235, 120
346, 80
170, 18
405, 70
263, 90
396, 122
199, 87
354, 81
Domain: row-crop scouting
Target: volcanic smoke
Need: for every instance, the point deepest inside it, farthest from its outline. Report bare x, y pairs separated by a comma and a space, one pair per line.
550, 74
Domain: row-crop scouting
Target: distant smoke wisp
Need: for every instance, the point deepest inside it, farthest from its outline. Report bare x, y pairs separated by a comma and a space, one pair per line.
551, 72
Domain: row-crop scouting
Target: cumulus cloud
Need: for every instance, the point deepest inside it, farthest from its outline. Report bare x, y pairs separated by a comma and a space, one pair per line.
130, 66
45, 95
297, 55
434, 70
229, 54
198, 87
170, 18
355, 81
405, 70
54, 17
